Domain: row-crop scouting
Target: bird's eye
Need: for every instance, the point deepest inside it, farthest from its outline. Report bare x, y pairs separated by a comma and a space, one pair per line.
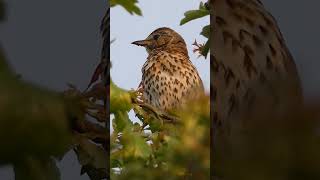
156, 36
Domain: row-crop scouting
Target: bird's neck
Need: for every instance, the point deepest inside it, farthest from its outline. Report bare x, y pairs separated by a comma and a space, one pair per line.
172, 50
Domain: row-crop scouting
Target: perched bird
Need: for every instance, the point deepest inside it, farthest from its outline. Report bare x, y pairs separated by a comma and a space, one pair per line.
251, 65
168, 76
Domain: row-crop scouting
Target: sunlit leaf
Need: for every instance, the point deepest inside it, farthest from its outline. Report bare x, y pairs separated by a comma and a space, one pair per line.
120, 100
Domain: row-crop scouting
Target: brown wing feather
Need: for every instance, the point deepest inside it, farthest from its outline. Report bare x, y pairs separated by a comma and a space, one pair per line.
248, 54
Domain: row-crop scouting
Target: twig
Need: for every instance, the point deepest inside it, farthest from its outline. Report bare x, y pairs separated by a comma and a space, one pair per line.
165, 117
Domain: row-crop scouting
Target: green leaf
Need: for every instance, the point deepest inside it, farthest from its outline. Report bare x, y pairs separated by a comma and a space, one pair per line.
134, 145
206, 49
33, 118
121, 121
195, 14
206, 31
129, 5
36, 169
120, 99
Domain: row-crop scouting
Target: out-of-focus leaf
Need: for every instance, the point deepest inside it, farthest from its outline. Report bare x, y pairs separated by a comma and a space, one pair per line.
32, 168
32, 120
134, 146
180, 151
90, 153
129, 5
195, 14
120, 100
93, 158
121, 121
94, 173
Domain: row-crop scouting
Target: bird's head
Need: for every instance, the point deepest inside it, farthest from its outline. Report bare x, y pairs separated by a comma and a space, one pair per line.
164, 38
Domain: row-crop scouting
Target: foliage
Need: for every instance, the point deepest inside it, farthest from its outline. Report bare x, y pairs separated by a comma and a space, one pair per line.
38, 126
34, 126
90, 138
157, 149
128, 5
202, 11
32, 168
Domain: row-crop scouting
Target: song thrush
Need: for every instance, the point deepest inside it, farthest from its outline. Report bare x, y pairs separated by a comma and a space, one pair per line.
251, 64
168, 76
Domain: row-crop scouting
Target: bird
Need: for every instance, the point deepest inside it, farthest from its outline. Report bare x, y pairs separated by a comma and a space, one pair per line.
251, 65
169, 79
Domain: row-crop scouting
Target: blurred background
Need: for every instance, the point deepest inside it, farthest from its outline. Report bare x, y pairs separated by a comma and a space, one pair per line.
51, 43
297, 22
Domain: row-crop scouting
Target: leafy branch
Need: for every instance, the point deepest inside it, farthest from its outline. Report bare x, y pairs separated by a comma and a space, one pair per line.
201, 12
154, 144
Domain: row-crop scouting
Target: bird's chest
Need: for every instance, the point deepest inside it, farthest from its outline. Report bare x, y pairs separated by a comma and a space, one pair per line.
166, 80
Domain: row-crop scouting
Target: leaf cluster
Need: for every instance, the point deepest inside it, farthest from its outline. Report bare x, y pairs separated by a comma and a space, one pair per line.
201, 12
156, 148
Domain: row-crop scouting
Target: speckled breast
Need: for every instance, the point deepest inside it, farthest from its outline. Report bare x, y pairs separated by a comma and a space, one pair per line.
169, 79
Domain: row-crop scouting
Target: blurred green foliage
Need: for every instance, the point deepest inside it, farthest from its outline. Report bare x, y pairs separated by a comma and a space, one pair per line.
38, 126
164, 151
119, 98
34, 125
31, 168
129, 5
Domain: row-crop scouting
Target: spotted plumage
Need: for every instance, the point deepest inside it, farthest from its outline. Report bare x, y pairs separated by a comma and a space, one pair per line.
248, 55
168, 76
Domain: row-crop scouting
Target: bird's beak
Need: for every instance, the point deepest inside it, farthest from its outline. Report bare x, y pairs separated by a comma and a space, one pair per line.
142, 43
